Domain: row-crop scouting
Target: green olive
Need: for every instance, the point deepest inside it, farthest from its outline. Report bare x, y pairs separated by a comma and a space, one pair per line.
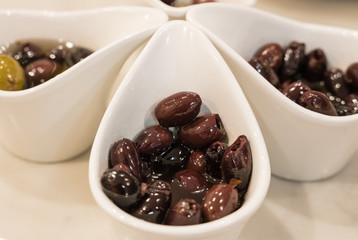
12, 77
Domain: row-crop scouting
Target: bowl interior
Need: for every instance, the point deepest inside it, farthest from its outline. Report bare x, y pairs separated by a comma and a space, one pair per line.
179, 58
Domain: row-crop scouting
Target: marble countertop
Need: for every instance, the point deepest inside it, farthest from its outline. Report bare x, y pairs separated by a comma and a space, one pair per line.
53, 201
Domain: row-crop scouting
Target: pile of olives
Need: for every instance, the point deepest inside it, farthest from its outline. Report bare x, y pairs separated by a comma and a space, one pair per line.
180, 171
184, 3
306, 79
25, 64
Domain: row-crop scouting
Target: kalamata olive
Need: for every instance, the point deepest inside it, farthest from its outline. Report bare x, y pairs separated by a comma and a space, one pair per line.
197, 161
221, 200
295, 90
184, 212
352, 75
121, 187
265, 70
335, 81
203, 131
214, 154
41, 70
292, 60
236, 162
178, 109
153, 140
121, 166
272, 54
352, 100
315, 65
12, 77
59, 54
318, 102
27, 53
155, 202
124, 151
176, 157
189, 184
76, 55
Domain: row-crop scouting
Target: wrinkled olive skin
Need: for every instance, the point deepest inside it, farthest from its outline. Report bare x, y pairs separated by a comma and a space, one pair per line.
293, 59
236, 162
272, 54
178, 109
125, 152
27, 53
214, 154
318, 102
154, 140
295, 90
121, 187
197, 161
155, 202
41, 70
221, 200
315, 65
352, 75
203, 131
184, 212
265, 70
335, 82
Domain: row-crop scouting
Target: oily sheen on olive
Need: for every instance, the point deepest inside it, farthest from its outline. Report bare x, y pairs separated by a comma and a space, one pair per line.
167, 172
306, 78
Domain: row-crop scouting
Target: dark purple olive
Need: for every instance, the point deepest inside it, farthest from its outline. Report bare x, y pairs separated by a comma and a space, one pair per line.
27, 53
352, 76
176, 157
272, 54
155, 202
41, 70
318, 102
121, 187
154, 140
335, 82
197, 161
352, 100
236, 162
184, 212
214, 154
203, 131
292, 60
295, 90
315, 65
178, 109
124, 151
59, 54
221, 200
189, 184
76, 55
265, 70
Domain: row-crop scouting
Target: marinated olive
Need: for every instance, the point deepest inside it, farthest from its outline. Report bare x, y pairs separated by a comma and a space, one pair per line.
221, 200
178, 109
41, 70
203, 131
184, 212
154, 140
12, 76
315, 65
265, 70
272, 54
295, 90
292, 59
352, 75
335, 81
197, 161
27, 53
318, 102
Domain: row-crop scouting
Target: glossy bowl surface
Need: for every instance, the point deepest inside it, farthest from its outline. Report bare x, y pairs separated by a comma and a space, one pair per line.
179, 58
303, 145
59, 118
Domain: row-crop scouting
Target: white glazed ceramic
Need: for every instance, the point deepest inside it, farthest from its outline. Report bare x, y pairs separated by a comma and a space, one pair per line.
179, 58
59, 118
303, 145
179, 12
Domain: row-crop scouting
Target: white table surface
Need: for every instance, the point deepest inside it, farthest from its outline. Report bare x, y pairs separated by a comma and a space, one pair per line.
53, 201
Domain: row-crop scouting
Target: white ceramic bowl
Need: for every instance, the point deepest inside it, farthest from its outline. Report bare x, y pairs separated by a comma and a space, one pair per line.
59, 118
179, 12
179, 58
302, 144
